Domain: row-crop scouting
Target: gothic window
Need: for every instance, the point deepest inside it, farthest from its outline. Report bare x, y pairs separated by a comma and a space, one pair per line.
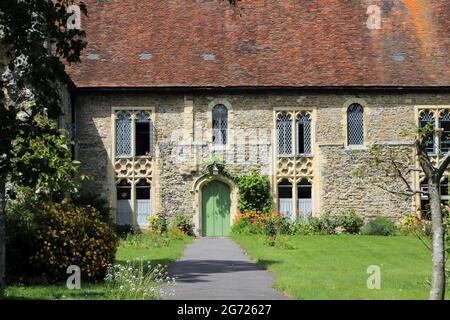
143, 203
425, 200
143, 134
123, 134
355, 125
303, 123
427, 117
285, 198
284, 134
444, 124
220, 124
123, 202
304, 195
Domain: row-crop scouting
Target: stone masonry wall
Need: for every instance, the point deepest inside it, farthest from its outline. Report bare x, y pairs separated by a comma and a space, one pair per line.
387, 116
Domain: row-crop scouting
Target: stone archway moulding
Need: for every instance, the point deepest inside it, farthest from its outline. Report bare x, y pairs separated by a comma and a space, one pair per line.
196, 190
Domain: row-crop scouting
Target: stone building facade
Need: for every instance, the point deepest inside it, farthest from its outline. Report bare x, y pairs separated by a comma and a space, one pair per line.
282, 87
182, 127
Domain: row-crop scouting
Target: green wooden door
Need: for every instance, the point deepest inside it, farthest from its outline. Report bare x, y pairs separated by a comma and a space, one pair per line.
215, 209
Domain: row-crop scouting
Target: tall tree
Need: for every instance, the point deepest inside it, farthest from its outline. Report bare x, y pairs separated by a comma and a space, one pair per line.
35, 42
399, 165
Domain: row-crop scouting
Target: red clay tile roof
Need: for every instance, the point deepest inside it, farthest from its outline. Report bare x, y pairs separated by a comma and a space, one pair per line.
277, 43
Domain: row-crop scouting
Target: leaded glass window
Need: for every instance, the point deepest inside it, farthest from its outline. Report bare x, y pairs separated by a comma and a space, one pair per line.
123, 134
427, 117
143, 133
284, 134
303, 124
355, 124
220, 124
444, 124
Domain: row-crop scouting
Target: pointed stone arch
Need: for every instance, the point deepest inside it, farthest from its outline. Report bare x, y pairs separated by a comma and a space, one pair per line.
196, 190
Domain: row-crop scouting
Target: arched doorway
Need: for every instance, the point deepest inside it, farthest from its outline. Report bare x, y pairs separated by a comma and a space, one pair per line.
216, 204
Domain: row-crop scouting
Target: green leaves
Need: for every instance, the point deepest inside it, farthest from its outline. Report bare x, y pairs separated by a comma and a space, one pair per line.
41, 160
254, 193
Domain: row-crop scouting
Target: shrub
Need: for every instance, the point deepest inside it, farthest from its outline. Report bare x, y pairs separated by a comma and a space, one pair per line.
379, 226
261, 223
183, 223
56, 236
94, 200
70, 235
350, 222
254, 193
302, 228
20, 238
412, 225
158, 223
247, 224
325, 224
137, 281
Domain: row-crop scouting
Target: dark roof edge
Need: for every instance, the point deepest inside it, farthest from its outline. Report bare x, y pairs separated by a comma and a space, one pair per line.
409, 89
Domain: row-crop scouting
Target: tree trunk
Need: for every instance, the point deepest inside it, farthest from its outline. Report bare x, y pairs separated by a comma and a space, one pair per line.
437, 291
2, 236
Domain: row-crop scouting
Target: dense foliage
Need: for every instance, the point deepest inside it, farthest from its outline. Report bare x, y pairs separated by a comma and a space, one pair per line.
254, 193
55, 236
380, 226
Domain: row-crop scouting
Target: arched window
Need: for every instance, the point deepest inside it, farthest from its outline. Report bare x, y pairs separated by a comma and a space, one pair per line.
303, 126
123, 202
143, 202
143, 134
123, 134
285, 198
444, 124
425, 199
304, 195
427, 117
355, 125
220, 124
284, 134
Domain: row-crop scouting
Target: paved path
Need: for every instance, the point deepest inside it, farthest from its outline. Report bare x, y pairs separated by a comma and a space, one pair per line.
217, 269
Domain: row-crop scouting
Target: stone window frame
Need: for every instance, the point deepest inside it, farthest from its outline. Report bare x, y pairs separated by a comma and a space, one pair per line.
230, 138
435, 157
344, 111
294, 111
436, 110
132, 178
294, 179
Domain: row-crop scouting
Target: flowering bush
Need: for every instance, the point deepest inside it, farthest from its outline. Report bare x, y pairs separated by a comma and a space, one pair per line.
70, 235
261, 223
45, 238
182, 222
158, 223
413, 225
137, 281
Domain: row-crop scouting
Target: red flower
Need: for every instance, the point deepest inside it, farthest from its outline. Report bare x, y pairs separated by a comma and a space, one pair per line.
274, 236
252, 220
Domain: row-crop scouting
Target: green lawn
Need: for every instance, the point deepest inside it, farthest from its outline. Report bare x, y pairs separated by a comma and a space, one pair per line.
335, 267
162, 255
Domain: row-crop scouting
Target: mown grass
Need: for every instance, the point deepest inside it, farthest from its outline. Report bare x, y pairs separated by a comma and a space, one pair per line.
335, 267
156, 255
